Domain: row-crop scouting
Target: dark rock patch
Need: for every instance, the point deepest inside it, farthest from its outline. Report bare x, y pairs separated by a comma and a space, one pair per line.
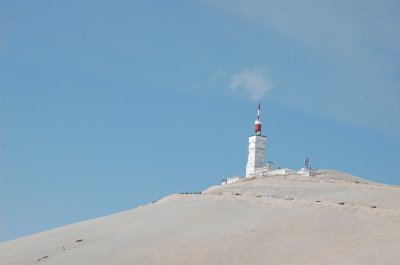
45, 257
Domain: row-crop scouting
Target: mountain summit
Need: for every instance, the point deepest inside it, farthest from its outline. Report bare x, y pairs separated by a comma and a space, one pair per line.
329, 218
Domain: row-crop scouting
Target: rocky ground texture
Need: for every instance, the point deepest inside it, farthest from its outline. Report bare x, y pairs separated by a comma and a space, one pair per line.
329, 218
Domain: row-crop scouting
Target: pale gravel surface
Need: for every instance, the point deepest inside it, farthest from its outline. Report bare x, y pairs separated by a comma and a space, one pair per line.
219, 227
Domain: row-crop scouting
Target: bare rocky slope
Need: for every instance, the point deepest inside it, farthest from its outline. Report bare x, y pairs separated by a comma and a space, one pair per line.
330, 218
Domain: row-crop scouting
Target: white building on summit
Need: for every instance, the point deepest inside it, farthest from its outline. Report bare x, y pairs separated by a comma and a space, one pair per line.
257, 148
256, 162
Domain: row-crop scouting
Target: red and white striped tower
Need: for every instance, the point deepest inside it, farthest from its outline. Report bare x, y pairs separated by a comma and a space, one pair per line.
257, 148
257, 123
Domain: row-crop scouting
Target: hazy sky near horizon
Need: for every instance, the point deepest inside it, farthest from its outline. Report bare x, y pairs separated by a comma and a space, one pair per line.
106, 106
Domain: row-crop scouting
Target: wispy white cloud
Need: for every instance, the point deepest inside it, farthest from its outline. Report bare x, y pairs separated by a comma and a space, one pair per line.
253, 82
323, 24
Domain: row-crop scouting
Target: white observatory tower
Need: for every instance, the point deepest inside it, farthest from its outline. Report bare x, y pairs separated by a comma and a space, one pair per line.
257, 146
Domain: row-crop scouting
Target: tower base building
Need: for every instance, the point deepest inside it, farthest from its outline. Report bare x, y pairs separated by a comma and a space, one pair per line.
256, 155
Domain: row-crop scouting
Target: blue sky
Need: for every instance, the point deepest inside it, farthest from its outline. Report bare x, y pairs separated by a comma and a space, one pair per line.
105, 106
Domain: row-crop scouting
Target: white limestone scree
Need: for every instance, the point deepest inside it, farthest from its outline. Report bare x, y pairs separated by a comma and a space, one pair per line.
257, 148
